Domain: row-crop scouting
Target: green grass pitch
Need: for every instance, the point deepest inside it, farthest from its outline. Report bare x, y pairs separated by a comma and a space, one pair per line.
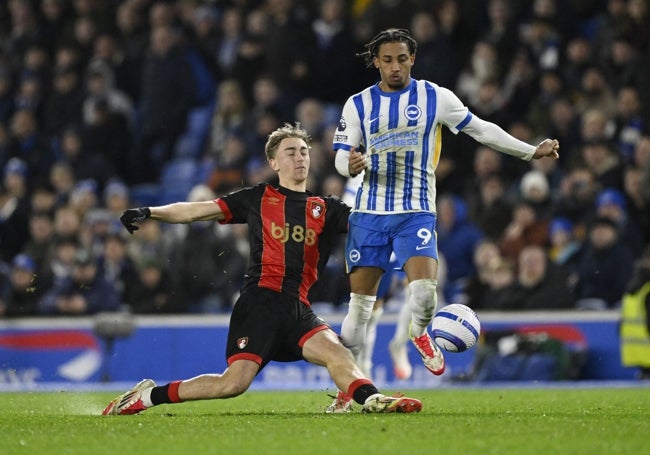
454, 421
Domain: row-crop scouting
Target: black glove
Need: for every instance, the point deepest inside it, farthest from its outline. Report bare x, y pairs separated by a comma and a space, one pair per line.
131, 216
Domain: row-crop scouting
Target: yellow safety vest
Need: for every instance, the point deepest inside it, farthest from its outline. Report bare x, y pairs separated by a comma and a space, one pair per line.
635, 338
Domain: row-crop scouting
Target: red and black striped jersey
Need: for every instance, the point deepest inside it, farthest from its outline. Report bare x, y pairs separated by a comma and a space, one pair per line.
291, 235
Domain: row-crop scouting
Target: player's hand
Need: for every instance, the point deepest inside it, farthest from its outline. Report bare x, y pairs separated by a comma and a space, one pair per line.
357, 163
548, 147
131, 216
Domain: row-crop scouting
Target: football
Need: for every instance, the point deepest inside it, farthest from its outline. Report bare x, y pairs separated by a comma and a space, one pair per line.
455, 328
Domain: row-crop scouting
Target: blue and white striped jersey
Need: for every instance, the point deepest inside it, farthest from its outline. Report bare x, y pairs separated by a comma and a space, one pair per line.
401, 135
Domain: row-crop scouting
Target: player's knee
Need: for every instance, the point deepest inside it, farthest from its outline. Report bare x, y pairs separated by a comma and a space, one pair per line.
360, 306
423, 292
233, 388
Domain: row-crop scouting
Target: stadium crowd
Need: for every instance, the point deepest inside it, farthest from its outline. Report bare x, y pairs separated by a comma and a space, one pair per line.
106, 105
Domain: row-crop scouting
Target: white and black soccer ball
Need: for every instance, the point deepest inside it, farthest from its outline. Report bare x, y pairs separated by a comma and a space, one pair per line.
455, 328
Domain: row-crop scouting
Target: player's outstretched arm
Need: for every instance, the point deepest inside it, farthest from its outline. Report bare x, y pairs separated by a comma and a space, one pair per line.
178, 212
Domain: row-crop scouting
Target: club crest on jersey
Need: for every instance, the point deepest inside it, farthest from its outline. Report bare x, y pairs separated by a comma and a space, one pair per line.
342, 124
317, 209
354, 256
413, 112
242, 342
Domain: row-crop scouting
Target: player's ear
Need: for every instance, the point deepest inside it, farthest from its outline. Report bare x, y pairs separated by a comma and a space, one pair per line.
273, 163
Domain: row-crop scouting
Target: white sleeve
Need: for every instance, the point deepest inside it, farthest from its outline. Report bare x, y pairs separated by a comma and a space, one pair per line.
341, 162
457, 117
495, 137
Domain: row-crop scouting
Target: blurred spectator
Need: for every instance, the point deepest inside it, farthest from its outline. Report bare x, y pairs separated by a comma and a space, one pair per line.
132, 40
7, 105
83, 292
153, 292
115, 198
431, 45
611, 204
485, 253
565, 127
24, 289
249, 64
28, 143
502, 30
457, 240
41, 244
621, 63
500, 275
14, 209
205, 263
24, 30
541, 36
595, 125
54, 15
108, 50
228, 45
604, 267
100, 86
114, 263
579, 55
525, 228
550, 88
490, 209
638, 208
519, 83
230, 163
564, 249
63, 107
310, 112
36, 67
485, 162
62, 180
109, 136
167, 94
481, 67
84, 197
333, 35
629, 122
83, 32
291, 51
639, 14
540, 285
86, 164
229, 116
61, 262
67, 222
595, 94
535, 190
604, 162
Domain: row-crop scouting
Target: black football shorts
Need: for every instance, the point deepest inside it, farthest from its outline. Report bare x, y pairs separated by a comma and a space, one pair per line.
266, 325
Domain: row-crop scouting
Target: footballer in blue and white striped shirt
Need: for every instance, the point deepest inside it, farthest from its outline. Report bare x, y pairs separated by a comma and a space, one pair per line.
391, 132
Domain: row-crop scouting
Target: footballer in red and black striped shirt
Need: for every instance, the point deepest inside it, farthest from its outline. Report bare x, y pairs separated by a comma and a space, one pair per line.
291, 234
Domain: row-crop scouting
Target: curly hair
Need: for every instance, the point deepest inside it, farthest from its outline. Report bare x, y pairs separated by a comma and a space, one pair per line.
288, 130
390, 35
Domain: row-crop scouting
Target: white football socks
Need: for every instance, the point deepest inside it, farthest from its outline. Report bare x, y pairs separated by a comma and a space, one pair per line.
353, 328
423, 302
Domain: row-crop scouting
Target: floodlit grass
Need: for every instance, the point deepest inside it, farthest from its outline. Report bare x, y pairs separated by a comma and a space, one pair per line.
453, 421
